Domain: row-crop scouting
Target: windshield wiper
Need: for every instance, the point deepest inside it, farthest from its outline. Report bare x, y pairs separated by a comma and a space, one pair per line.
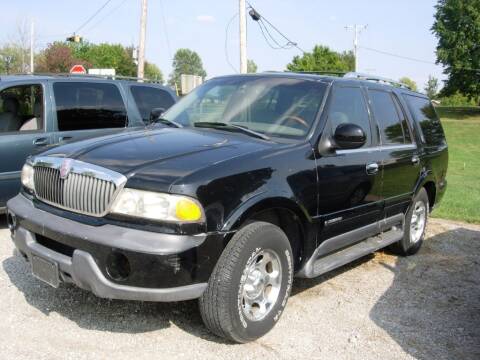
167, 122
230, 127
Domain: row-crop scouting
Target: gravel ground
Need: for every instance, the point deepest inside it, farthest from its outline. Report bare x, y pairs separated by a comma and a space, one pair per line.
380, 307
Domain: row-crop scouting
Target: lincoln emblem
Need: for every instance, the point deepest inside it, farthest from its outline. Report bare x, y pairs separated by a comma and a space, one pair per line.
65, 168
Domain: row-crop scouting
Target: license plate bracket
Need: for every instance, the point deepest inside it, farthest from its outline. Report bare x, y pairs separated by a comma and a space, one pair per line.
45, 270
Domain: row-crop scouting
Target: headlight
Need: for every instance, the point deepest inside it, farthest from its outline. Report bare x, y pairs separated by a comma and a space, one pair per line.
27, 177
157, 206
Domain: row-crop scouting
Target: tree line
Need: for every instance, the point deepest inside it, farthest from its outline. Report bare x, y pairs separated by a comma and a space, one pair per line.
456, 25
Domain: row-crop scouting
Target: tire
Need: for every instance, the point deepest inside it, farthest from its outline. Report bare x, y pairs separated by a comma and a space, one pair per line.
412, 240
226, 306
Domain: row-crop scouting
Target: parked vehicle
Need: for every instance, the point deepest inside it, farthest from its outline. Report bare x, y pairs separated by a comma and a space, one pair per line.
37, 112
253, 179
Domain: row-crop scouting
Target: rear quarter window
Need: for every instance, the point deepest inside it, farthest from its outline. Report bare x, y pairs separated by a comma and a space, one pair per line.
148, 98
424, 114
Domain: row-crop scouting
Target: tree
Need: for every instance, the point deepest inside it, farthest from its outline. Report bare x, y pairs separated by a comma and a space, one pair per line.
431, 87
58, 58
251, 66
322, 59
457, 27
409, 82
152, 72
109, 56
11, 59
186, 61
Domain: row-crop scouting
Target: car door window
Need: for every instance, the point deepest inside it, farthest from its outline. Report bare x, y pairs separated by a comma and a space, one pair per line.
84, 105
21, 109
388, 119
348, 106
424, 114
407, 131
148, 98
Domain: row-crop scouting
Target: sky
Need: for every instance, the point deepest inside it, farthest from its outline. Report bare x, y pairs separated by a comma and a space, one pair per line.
397, 27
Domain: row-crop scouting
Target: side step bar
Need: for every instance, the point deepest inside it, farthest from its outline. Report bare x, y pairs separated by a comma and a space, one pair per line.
318, 264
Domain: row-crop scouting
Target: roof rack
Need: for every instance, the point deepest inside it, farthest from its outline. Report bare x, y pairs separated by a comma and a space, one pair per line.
112, 77
378, 79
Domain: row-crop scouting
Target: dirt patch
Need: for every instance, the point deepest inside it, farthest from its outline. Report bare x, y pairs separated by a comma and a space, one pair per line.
380, 307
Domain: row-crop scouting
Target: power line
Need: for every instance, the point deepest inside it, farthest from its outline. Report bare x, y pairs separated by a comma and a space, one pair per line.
226, 42
397, 55
261, 19
165, 29
107, 15
91, 17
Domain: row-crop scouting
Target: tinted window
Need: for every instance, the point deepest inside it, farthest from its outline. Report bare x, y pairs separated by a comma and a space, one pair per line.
348, 106
386, 114
424, 113
405, 124
148, 98
82, 105
21, 108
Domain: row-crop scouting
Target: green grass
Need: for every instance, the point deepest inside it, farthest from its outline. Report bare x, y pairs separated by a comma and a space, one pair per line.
462, 199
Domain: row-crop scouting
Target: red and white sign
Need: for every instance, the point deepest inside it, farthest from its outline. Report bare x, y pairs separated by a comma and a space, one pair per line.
78, 69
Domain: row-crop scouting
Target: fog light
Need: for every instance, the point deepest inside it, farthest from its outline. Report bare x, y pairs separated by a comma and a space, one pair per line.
118, 266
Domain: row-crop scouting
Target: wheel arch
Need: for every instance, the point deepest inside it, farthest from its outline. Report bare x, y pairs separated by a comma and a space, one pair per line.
284, 212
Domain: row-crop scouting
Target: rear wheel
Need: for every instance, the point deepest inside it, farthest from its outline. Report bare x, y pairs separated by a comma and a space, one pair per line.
250, 285
415, 225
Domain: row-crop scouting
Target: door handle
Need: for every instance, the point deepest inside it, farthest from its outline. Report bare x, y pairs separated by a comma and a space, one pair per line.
65, 138
40, 141
415, 160
372, 168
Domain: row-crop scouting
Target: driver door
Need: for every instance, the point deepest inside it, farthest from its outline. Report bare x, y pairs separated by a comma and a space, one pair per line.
349, 181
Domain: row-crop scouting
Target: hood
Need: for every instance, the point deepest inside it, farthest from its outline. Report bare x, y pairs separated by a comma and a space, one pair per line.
160, 155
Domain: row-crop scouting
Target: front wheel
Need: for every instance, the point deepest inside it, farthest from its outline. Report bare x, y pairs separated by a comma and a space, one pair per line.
415, 225
250, 285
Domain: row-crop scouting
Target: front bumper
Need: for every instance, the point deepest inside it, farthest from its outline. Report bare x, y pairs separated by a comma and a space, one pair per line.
162, 267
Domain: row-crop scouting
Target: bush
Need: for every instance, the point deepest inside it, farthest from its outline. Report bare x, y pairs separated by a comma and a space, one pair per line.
458, 99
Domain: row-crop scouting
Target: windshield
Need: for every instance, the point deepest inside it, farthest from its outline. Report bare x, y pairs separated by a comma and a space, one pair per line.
282, 107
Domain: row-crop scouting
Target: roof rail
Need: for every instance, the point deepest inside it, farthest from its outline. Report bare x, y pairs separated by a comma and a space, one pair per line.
112, 77
378, 79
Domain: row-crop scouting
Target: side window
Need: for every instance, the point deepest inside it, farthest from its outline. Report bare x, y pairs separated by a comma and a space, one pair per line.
21, 109
425, 115
388, 119
83, 106
348, 106
148, 98
403, 119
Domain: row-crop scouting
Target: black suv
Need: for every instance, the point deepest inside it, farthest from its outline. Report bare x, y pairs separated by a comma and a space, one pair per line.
251, 180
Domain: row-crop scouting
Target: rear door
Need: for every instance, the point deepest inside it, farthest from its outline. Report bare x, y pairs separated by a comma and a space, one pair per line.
23, 131
148, 98
349, 181
400, 157
85, 109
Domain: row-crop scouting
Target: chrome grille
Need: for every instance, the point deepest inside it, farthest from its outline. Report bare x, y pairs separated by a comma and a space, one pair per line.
87, 189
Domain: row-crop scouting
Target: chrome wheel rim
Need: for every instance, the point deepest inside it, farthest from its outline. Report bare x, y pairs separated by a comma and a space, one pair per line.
260, 285
417, 223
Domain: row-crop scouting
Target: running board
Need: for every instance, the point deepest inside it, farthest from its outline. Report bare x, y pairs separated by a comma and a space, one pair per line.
318, 264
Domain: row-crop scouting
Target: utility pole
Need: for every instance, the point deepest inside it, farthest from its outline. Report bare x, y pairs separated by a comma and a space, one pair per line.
141, 45
32, 33
243, 37
357, 29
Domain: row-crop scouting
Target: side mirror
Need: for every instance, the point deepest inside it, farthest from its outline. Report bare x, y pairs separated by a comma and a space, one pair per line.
349, 136
156, 114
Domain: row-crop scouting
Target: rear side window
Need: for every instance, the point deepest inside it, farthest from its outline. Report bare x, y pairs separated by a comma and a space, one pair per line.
348, 106
425, 115
83, 106
21, 109
388, 118
148, 98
